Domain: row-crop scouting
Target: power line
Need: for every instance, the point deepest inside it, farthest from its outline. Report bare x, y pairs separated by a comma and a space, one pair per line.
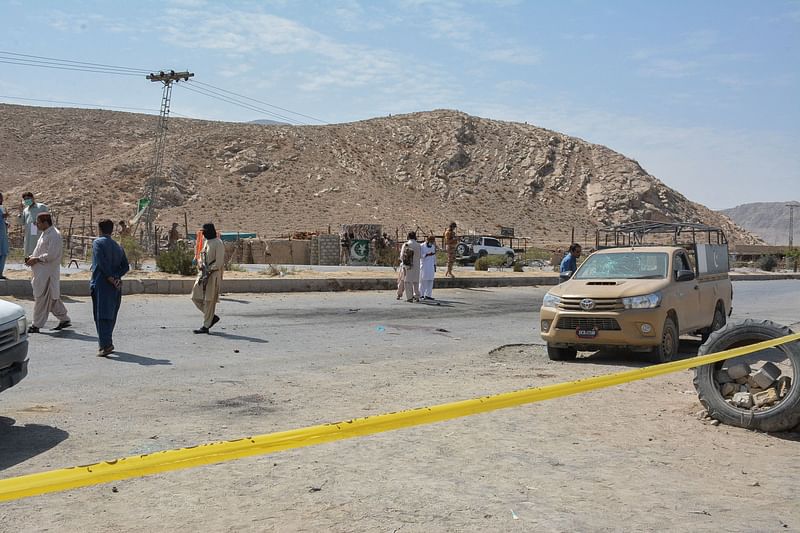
206, 89
85, 104
41, 64
246, 105
261, 102
230, 100
77, 62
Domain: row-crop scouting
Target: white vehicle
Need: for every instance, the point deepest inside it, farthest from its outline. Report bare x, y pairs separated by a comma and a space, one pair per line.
473, 247
13, 344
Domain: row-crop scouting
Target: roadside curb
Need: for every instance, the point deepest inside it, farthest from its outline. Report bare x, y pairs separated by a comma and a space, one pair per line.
21, 287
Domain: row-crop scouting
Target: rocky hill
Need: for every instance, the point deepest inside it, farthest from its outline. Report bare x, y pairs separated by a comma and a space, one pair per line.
767, 220
418, 170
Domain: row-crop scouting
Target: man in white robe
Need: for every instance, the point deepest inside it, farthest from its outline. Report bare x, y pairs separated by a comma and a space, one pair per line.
427, 268
205, 293
409, 258
45, 263
27, 218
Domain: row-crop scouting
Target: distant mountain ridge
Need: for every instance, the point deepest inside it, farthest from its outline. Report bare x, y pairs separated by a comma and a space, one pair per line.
768, 220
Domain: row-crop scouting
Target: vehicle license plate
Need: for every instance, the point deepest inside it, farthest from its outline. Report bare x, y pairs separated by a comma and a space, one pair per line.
586, 333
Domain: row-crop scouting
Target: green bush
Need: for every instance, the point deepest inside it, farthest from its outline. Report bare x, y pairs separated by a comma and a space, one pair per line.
517, 266
133, 251
496, 261
482, 263
179, 260
536, 254
767, 262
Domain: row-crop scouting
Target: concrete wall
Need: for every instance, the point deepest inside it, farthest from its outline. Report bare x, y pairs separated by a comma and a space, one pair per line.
329, 249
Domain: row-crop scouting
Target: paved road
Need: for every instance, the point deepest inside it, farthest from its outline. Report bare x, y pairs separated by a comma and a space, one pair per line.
279, 361
293, 332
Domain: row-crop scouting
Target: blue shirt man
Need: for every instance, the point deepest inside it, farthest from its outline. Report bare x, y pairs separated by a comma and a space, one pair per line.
570, 262
109, 264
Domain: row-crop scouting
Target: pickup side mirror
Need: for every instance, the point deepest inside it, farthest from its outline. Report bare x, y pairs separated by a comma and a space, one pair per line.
684, 275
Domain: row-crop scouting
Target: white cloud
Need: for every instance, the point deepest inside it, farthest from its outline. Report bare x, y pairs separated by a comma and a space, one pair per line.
350, 15
670, 68
513, 55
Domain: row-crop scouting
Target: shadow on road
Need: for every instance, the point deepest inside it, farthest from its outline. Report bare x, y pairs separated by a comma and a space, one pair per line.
125, 357
69, 334
20, 443
688, 348
234, 300
235, 337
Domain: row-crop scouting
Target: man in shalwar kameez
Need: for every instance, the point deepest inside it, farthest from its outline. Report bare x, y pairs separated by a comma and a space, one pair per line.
27, 218
3, 238
205, 292
109, 264
427, 268
411, 279
45, 263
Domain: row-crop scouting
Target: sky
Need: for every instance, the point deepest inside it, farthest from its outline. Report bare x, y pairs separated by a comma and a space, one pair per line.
704, 94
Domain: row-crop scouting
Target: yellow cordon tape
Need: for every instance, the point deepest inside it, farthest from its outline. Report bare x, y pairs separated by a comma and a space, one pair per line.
217, 452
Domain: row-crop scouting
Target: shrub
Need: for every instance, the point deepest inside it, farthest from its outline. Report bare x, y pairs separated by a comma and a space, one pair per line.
273, 271
388, 257
517, 266
767, 262
133, 250
179, 260
495, 261
482, 263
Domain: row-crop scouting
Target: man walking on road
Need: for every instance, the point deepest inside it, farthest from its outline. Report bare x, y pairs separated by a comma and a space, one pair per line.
409, 256
205, 293
109, 264
45, 263
450, 244
29, 211
3, 238
427, 268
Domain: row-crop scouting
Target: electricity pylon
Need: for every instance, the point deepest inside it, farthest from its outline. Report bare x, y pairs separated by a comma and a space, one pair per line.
156, 178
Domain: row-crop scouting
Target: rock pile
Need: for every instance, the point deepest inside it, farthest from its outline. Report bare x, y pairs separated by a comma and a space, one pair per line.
753, 390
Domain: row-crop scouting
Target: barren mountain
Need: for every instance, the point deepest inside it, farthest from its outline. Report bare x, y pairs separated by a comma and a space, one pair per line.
405, 171
768, 220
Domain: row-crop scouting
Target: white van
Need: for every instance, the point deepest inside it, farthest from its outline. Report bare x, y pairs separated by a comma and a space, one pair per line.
13, 344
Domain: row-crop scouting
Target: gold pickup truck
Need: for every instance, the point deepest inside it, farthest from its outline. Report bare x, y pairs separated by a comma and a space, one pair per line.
639, 297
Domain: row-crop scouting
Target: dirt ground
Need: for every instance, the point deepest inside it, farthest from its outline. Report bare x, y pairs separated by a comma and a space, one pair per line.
635, 457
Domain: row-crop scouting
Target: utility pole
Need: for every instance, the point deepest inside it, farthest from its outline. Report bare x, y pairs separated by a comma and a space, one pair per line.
156, 178
791, 207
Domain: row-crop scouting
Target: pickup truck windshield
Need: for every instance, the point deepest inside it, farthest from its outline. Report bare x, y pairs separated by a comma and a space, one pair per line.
629, 265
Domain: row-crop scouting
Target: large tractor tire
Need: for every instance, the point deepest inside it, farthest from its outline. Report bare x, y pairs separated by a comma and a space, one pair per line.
784, 415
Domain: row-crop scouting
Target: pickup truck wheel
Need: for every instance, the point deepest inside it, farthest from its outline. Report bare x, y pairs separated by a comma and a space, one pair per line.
561, 354
509, 260
783, 416
483, 253
717, 323
461, 249
668, 347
